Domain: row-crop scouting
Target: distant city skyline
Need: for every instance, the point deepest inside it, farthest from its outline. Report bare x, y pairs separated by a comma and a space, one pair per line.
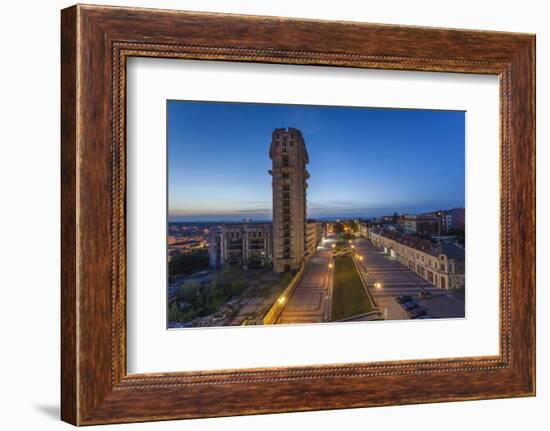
364, 162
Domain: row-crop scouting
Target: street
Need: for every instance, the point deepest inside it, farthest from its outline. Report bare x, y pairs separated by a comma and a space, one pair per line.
310, 302
396, 279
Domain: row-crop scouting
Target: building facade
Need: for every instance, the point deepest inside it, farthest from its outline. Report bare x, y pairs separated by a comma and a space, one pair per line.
448, 219
409, 225
442, 264
314, 233
364, 230
247, 245
413, 225
456, 218
289, 181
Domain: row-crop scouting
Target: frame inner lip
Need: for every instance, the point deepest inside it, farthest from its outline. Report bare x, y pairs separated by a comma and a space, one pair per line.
124, 49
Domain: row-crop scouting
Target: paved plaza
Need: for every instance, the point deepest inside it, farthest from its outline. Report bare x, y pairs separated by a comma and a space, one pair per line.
396, 279
310, 302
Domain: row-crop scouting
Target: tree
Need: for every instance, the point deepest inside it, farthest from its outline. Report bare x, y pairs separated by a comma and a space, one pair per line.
338, 228
228, 276
187, 263
188, 291
238, 287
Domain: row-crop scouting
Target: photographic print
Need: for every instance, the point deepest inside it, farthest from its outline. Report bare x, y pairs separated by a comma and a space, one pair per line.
302, 214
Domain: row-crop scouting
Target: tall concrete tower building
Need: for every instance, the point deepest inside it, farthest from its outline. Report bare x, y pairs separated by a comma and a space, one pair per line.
289, 155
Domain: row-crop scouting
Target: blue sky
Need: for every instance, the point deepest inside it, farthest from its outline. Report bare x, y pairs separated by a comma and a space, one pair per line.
364, 162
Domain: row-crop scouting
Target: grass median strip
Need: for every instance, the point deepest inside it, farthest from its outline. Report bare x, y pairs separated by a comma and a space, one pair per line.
348, 295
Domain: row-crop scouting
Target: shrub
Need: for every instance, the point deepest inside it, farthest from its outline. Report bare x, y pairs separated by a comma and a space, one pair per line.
188, 291
237, 287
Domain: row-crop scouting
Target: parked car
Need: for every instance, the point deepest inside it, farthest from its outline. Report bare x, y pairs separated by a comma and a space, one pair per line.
424, 294
424, 316
417, 312
408, 306
403, 299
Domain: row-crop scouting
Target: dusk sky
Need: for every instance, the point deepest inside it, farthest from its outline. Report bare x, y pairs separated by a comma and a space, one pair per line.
363, 162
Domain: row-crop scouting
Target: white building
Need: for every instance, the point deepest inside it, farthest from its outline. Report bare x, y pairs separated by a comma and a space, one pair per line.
442, 264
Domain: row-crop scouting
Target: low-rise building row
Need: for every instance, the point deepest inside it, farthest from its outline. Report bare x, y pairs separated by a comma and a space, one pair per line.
442, 263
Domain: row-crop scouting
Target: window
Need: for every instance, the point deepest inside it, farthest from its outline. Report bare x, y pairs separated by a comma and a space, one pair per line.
431, 276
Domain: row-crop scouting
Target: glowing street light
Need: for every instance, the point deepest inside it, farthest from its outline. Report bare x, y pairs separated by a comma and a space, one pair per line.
378, 285
360, 257
330, 265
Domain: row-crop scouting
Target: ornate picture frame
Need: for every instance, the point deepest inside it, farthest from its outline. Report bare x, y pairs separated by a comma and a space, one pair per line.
96, 41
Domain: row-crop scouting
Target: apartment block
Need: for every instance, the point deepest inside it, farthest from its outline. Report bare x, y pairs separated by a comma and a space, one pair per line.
248, 245
289, 182
314, 233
